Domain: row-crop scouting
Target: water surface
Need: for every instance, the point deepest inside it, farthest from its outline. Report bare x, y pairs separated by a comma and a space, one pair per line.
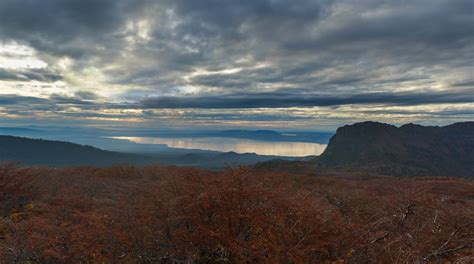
290, 149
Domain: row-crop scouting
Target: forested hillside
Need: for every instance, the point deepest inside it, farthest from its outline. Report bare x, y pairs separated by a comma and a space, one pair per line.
181, 215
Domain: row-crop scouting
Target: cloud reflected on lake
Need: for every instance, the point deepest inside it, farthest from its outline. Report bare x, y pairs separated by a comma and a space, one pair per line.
290, 149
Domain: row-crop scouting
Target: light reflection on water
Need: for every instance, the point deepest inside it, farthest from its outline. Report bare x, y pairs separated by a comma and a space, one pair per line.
291, 149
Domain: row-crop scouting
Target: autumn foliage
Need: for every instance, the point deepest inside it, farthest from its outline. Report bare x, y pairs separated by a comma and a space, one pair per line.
182, 215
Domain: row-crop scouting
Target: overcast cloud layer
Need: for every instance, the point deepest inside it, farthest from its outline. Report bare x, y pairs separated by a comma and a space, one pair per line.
218, 63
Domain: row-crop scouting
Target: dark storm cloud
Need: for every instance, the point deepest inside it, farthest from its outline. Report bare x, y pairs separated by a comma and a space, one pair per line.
283, 100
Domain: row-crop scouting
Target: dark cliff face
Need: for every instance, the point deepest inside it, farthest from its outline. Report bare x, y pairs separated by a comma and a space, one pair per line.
407, 150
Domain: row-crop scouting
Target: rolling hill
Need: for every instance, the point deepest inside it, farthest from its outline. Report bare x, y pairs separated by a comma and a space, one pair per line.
58, 153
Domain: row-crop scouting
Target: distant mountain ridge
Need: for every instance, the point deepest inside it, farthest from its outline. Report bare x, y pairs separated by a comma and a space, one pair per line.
270, 135
29, 151
376, 148
58, 153
407, 150
17, 130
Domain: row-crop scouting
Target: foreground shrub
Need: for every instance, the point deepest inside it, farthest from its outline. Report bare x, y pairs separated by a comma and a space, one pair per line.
181, 215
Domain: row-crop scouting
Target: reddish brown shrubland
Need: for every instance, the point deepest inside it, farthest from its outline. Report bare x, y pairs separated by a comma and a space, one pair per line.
173, 215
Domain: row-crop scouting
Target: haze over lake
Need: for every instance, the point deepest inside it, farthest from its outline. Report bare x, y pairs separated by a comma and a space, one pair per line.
290, 149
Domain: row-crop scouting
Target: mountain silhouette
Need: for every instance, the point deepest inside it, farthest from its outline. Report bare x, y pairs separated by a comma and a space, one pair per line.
58, 153
407, 150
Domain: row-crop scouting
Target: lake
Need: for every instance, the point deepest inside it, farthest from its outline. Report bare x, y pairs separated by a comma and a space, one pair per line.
290, 149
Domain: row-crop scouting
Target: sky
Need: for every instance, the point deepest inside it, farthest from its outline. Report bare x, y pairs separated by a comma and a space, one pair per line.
273, 64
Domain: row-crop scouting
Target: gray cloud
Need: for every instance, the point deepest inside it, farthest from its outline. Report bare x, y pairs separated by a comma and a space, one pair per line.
63, 27
50, 103
283, 100
246, 54
16, 100
42, 75
83, 95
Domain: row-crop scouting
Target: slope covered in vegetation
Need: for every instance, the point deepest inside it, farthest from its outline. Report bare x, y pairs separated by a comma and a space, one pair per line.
58, 153
175, 215
409, 150
63, 154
